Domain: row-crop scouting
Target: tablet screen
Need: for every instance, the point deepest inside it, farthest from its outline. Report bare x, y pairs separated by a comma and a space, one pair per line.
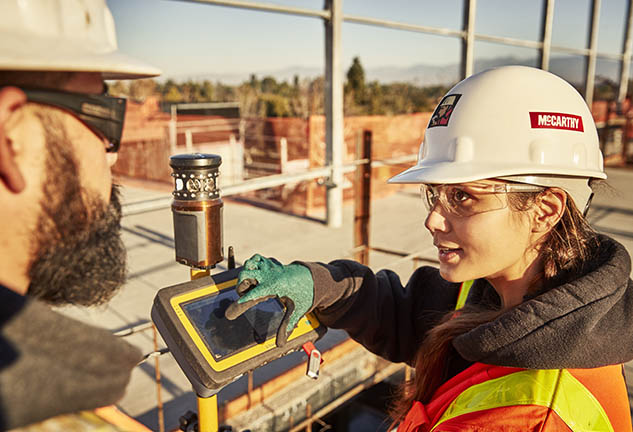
224, 337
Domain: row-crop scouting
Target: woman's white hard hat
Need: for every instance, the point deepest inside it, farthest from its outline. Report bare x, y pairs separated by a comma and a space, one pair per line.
64, 35
504, 122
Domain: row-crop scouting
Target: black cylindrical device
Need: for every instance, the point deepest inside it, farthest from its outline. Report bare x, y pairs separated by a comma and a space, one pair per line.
197, 209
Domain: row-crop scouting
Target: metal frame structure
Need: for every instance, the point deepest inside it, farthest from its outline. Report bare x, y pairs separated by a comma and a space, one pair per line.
332, 15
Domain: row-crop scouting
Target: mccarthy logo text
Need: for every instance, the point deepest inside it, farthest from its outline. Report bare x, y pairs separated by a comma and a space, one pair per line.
548, 120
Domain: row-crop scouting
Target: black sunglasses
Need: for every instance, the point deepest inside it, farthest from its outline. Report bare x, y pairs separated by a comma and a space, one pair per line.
102, 114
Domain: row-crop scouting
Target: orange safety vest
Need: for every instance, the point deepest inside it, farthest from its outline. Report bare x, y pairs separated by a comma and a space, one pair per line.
496, 398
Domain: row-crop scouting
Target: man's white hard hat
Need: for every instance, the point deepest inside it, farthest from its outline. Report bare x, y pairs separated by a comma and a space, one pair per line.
508, 121
64, 35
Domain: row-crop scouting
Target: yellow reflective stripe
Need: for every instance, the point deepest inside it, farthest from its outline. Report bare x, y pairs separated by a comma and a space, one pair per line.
464, 289
557, 389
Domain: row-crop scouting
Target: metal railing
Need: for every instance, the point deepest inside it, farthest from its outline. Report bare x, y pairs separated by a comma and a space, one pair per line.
255, 184
333, 17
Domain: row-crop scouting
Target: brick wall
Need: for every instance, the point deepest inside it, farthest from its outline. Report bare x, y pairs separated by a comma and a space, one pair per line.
145, 150
392, 136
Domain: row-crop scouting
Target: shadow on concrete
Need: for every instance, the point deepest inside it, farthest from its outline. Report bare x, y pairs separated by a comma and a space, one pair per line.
607, 230
603, 210
128, 327
151, 235
600, 212
153, 269
272, 207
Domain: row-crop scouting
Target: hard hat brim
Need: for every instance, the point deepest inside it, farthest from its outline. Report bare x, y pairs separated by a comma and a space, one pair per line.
451, 172
39, 54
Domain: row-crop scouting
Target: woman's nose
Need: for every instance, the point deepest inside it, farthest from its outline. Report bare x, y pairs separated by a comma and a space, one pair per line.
436, 220
111, 158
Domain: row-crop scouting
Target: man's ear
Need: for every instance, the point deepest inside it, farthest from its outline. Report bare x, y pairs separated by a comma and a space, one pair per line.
11, 98
549, 208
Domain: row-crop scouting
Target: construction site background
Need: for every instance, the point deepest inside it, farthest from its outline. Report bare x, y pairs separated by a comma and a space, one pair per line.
256, 147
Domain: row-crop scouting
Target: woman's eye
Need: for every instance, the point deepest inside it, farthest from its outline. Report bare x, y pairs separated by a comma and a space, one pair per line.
459, 196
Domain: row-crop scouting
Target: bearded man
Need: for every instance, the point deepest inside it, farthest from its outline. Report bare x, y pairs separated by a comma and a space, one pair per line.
59, 212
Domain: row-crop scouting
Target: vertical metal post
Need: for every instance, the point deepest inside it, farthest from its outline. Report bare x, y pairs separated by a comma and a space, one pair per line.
627, 49
250, 390
173, 134
208, 414
546, 32
334, 112
309, 417
189, 141
590, 76
468, 39
235, 162
159, 399
283, 154
362, 198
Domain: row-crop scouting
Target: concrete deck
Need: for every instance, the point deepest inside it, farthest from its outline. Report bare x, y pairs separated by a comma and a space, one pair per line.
396, 223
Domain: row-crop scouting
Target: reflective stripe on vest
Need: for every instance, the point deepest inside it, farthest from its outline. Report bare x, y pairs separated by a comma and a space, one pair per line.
555, 389
464, 289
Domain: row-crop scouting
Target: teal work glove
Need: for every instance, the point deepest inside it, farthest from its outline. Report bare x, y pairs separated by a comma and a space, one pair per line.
265, 278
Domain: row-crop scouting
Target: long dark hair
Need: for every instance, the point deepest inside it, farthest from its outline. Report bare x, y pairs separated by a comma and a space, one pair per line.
563, 252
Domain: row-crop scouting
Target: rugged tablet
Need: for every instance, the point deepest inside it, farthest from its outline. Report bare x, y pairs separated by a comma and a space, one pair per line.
211, 350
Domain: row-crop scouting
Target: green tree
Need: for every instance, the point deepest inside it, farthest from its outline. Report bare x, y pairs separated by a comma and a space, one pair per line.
269, 85
142, 89
172, 94
207, 92
275, 105
356, 81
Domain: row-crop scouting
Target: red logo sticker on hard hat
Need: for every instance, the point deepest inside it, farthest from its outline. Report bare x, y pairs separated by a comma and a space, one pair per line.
443, 112
550, 120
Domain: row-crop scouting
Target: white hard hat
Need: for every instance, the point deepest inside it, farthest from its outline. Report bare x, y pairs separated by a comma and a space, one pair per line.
64, 35
504, 122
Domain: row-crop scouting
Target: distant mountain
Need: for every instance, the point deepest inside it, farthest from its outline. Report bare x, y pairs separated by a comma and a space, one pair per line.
570, 68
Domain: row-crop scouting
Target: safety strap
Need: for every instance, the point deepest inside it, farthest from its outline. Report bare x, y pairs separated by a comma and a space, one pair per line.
554, 388
464, 289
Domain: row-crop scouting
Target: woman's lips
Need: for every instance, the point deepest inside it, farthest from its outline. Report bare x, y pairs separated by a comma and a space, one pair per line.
447, 255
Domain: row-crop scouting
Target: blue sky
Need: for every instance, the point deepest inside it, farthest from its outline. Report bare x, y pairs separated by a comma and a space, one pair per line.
188, 39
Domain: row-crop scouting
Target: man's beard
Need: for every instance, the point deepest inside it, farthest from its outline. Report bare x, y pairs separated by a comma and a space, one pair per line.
78, 255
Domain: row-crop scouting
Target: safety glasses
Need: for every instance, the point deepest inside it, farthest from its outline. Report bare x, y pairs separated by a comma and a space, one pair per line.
464, 200
102, 114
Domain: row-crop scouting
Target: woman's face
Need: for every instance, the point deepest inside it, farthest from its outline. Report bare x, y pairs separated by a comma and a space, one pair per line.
477, 234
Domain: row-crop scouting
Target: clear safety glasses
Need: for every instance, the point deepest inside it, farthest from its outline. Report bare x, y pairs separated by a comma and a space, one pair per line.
472, 198
102, 114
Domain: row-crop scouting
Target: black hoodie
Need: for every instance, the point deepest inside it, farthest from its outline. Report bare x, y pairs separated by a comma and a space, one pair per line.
586, 322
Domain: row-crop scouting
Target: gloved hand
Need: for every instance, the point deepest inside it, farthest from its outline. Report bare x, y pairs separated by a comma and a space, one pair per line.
264, 278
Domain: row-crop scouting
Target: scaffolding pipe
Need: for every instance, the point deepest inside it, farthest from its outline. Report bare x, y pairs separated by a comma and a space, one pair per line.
266, 182
439, 31
468, 40
508, 41
546, 33
590, 76
334, 113
265, 7
627, 49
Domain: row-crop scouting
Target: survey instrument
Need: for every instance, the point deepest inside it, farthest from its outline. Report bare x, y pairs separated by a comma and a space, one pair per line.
212, 350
